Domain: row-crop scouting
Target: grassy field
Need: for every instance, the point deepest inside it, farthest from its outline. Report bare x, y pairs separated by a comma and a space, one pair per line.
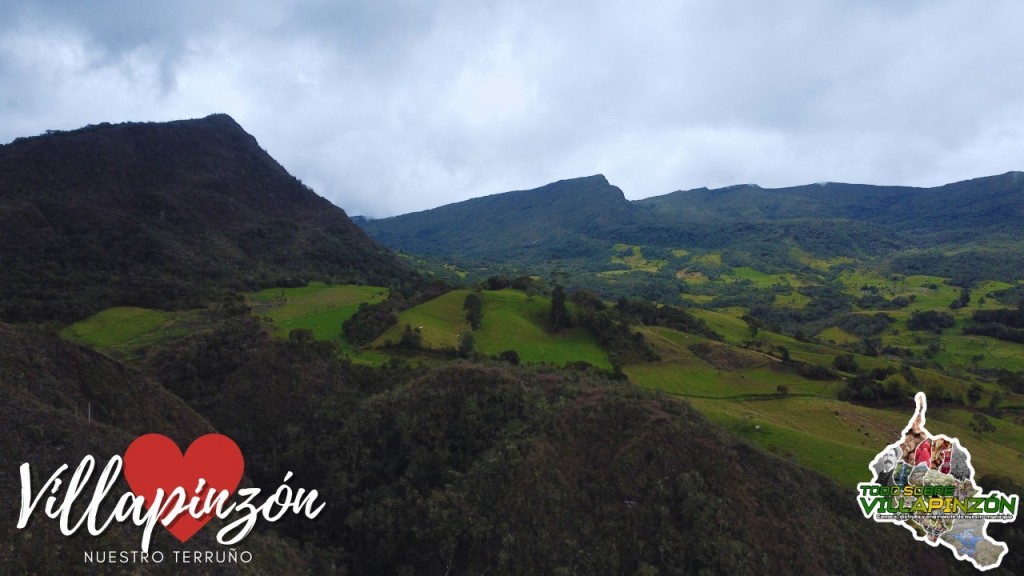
120, 329
317, 307
760, 279
736, 384
511, 321
633, 257
809, 425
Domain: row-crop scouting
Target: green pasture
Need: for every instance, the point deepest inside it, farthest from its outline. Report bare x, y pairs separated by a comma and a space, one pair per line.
633, 257
317, 307
837, 335
682, 373
711, 259
439, 321
821, 264
511, 321
832, 437
841, 439
692, 277
121, 329
792, 300
760, 279
731, 327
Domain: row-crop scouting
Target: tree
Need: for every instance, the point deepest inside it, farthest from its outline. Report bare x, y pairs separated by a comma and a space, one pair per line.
782, 389
1011, 382
981, 424
559, 315
474, 308
845, 363
974, 394
411, 339
994, 401
467, 344
752, 330
784, 354
962, 301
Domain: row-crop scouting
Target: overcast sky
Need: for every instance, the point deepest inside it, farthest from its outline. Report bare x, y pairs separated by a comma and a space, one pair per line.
390, 107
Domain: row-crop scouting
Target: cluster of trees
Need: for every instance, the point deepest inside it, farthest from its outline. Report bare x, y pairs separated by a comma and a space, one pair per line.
875, 301
652, 314
865, 325
826, 301
1002, 324
876, 384
372, 320
962, 300
612, 329
474, 307
930, 320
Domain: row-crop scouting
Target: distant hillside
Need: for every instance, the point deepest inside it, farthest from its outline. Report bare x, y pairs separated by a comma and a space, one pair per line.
960, 210
163, 215
565, 219
581, 220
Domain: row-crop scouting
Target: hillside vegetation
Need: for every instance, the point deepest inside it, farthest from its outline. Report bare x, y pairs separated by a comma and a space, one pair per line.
577, 384
169, 216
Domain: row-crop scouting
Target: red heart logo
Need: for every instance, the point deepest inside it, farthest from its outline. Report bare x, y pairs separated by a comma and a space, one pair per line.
154, 461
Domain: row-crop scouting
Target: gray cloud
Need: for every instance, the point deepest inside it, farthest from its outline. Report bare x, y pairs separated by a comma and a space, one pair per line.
389, 107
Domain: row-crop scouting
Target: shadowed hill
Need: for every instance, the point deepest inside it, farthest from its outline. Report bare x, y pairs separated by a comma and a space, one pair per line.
580, 220
565, 219
960, 209
163, 215
62, 402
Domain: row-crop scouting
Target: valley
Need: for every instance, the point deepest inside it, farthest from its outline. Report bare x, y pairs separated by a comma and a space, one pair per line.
556, 380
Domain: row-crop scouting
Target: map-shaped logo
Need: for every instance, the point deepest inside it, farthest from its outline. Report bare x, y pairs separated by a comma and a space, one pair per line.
926, 484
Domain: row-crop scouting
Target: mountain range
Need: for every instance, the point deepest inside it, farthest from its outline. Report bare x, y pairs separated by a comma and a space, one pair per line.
584, 218
462, 466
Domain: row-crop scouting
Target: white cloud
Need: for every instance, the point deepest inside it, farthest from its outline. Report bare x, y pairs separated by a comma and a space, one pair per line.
388, 107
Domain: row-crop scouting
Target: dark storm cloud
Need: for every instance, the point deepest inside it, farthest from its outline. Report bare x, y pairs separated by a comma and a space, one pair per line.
388, 107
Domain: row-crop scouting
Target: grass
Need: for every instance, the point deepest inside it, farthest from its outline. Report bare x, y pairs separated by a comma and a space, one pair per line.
633, 257
832, 437
120, 329
760, 279
838, 335
792, 300
682, 373
692, 277
440, 321
822, 264
711, 259
317, 307
808, 425
734, 329
511, 321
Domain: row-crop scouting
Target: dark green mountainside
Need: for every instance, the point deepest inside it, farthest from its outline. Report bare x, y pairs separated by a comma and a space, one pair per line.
62, 402
163, 215
565, 219
748, 224
955, 211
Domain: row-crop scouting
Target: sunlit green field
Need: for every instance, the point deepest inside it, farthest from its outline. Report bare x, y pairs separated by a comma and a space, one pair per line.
317, 307
120, 329
511, 321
